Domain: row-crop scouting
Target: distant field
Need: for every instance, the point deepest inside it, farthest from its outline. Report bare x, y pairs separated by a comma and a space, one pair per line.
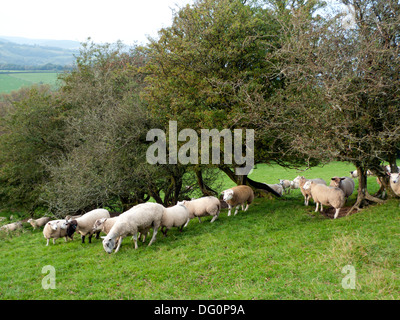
12, 80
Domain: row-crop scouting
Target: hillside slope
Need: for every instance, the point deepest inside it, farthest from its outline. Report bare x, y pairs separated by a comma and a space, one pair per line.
32, 55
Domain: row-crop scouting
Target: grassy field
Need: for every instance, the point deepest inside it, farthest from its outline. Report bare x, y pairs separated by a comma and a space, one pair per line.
279, 249
11, 81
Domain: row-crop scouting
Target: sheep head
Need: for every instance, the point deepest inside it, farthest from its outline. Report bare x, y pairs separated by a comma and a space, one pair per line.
72, 225
307, 185
228, 194
394, 177
98, 224
108, 244
336, 181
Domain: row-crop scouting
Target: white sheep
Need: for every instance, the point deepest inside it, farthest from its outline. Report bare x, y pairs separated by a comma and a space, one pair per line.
295, 183
104, 225
277, 187
205, 206
238, 196
307, 193
325, 195
286, 185
12, 226
395, 182
176, 216
137, 219
345, 183
84, 224
354, 174
38, 222
56, 229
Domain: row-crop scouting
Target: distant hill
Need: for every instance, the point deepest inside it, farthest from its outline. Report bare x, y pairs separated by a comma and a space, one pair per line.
12, 53
64, 44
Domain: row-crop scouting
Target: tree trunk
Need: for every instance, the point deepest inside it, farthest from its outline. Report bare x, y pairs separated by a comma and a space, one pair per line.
363, 197
206, 190
247, 181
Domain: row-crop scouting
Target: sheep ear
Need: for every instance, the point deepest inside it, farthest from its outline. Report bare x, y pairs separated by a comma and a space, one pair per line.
388, 173
342, 179
222, 192
103, 237
332, 178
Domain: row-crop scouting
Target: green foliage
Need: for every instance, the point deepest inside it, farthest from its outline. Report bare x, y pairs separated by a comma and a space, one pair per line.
197, 66
32, 132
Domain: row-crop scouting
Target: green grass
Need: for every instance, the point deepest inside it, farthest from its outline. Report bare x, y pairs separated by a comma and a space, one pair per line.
11, 81
279, 249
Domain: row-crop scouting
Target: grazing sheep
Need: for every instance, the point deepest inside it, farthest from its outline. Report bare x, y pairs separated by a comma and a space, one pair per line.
56, 229
286, 185
276, 187
38, 222
12, 226
325, 195
238, 196
140, 218
395, 182
205, 206
84, 224
345, 183
176, 216
307, 193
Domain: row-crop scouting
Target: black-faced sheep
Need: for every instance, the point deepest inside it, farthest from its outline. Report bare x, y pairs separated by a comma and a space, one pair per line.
84, 224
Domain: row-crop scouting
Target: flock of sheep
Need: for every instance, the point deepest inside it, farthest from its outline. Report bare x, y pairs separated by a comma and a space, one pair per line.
143, 217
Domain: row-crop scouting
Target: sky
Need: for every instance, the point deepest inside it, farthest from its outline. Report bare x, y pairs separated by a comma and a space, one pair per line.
103, 20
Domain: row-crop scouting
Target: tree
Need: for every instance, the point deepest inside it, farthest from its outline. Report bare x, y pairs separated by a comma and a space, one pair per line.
340, 88
32, 129
197, 67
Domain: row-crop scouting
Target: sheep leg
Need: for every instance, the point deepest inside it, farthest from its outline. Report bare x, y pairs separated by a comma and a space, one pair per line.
98, 235
83, 239
187, 222
134, 237
247, 206
230, 208
316, 206
199, 219
214, 218
153, 238
336, 213
47, 242
237, 210
119, 244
